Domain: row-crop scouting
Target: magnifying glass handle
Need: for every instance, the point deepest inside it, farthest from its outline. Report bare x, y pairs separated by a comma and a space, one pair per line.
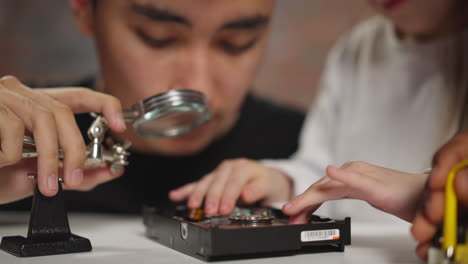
130, 115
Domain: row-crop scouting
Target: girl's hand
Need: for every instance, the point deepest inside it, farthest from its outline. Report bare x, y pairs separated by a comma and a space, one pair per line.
392, 191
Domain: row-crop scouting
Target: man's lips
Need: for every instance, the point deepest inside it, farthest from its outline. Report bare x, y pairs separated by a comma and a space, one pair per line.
390, 4
394, 3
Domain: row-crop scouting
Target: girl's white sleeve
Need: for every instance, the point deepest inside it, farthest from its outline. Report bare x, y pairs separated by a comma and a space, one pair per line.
316, 145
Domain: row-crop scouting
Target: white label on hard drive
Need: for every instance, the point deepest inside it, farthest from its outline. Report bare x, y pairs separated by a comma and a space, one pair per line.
320, 235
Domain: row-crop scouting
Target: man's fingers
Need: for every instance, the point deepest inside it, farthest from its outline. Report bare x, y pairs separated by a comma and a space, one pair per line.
11, 137
446, 158
461, 187
182, 193
434, 208
422, 250
93, 178
45, 136
85, 100
35, 111
41, 122
70, 140
423, 230
48, 114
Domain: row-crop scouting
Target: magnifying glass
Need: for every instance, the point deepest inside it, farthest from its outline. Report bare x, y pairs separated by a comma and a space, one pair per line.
169, 114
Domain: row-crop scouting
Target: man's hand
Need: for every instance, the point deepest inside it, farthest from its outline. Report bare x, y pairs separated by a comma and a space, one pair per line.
48, 115
391, 191
242, 179
432, 213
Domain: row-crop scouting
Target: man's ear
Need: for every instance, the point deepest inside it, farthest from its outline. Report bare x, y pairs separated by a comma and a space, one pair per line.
83, 11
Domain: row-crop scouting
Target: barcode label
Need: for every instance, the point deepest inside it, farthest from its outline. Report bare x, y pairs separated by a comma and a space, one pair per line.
320, 235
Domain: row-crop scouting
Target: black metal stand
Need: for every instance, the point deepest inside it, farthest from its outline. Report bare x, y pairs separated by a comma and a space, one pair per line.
49, 232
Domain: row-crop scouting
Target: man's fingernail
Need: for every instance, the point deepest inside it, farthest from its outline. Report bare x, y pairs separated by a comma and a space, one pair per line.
52, 182
76, 177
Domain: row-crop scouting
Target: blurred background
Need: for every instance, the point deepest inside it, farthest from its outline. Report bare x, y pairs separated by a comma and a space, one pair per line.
41, 45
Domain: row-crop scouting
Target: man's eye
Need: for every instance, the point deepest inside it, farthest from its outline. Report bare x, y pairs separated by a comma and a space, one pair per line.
155, 42
234, 49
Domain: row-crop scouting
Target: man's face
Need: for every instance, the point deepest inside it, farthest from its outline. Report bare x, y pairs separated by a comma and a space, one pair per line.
418, 18
147, 47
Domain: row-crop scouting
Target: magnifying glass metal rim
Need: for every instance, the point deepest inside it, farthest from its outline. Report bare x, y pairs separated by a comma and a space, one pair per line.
159, 105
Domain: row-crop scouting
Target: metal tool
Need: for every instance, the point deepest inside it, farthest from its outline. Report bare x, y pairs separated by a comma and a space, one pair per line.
168, 114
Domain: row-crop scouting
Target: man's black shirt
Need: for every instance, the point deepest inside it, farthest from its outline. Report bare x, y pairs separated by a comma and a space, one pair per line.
263, 131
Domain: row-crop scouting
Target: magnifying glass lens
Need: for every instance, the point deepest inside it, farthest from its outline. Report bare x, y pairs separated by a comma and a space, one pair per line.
171, 114
176, 121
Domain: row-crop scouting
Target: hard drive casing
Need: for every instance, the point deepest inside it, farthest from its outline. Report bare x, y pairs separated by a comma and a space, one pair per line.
219, 239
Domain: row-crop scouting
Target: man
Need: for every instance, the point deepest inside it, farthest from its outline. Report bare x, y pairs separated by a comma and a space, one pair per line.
150, 46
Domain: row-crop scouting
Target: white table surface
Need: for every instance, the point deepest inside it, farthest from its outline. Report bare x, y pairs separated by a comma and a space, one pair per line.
120, 239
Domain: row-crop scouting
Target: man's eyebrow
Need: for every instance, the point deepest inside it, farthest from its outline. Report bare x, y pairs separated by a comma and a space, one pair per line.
252, 22
159, 14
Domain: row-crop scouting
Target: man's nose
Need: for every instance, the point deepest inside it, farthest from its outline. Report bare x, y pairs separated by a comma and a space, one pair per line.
194, 72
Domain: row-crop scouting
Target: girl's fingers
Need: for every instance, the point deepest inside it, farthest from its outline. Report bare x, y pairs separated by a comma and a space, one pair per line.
317, 194
303, 216
182, 193
361, 186
216, 191
196, 198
